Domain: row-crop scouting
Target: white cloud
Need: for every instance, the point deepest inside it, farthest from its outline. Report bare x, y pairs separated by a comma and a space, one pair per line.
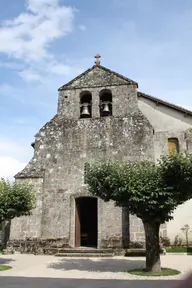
5, 89
40, 5
11, 65
13, 157
28, 36
82, 27
30, 75
61, 69
11, 91
7, 146
10, 166
16, 149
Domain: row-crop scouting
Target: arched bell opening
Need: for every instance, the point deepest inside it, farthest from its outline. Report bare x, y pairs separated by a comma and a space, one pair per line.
105, 103
85, 104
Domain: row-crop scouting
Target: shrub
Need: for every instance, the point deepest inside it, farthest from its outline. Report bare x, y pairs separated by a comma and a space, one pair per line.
136, 245
178, 241
165, 241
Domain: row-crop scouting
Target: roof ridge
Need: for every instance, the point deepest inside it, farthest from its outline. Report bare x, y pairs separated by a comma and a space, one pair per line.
76, 78
103, 68
117, 74
174, 106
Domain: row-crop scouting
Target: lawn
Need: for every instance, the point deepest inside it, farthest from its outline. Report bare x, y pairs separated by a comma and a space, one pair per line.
179, 250
5, 267
164, 272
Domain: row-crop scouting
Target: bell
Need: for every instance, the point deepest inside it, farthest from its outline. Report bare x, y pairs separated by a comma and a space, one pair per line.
106, 107
85, 110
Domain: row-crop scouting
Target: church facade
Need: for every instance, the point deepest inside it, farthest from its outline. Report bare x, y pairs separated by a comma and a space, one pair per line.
100, 115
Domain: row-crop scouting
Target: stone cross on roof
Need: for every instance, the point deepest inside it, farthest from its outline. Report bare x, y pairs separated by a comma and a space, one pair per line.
97, 62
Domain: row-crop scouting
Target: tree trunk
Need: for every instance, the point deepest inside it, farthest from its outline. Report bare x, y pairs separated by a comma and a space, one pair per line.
187, 239
153, 262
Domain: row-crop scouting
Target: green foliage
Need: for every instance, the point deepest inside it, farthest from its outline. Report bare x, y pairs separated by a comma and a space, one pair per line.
180, 250
150, 191
5, 267
177, 241
15, 200
185, 229
165, 241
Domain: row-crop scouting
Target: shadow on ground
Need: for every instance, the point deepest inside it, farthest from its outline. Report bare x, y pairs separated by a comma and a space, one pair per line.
5, 260
19, 282
97, 265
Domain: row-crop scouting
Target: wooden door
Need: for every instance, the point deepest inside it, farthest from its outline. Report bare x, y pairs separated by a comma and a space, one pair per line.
173, 146
77, 225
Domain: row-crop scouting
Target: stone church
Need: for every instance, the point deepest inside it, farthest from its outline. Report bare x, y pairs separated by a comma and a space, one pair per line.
101, 114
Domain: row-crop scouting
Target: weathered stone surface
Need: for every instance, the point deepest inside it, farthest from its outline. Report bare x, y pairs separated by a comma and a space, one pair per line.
116, 137
137, 233
62, 148
29, 226
98, 76
38, 246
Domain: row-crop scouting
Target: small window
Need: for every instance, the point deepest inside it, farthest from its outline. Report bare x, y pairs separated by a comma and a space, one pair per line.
105, 103
173, 146
85, 104
86, 167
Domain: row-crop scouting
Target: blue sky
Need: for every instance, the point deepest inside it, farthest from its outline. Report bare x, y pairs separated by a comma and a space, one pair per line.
44, 43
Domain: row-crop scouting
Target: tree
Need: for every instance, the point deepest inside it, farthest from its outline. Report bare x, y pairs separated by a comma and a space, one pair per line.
152, 192
185, 229
15, 200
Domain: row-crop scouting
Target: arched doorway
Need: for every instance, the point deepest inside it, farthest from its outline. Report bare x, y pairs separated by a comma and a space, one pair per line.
86, 222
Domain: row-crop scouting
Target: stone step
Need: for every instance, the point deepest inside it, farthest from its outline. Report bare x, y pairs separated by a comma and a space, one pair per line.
87, 255
54, 251
85, 250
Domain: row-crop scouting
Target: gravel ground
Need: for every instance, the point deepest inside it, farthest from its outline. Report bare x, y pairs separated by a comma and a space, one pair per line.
88, 268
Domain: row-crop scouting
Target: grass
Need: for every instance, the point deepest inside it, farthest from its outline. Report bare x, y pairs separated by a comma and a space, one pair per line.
5, 267
180, 250
164, 272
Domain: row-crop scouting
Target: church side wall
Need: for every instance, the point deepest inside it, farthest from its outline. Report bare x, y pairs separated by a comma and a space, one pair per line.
169, 123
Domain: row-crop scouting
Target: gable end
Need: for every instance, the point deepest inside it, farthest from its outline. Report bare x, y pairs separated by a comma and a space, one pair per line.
111, 78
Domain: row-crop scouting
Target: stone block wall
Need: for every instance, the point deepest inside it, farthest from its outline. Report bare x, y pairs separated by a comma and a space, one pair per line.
137, 233
29, 226
66, 143
124, 101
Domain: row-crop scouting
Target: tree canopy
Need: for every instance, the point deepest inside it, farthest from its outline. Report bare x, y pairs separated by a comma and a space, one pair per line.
150, 191
15, 200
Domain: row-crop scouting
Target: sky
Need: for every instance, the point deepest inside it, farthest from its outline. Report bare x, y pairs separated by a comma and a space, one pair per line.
45, 43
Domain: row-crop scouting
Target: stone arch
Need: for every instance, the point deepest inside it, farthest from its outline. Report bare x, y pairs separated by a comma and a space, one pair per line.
106, 99
85, 104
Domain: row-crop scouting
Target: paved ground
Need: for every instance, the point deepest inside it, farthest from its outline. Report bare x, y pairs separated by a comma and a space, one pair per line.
49, 271
17, 282
87, 268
